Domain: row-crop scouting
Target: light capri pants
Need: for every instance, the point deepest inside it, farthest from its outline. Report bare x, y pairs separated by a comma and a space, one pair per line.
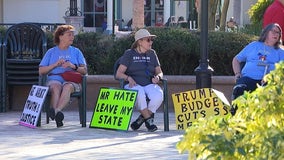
153, 92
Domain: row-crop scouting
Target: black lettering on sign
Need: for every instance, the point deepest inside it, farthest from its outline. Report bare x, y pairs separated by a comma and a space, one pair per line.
203, 113
110, 120
104, 95
109, 108
127, 96
193, 94
183, 107
32, 91
195, 105
28, 118
217, 111
180, 127
202, 93
180, 118
211, 92
32, 106
225, 108
40, 92
125, 110
188, 124
207, 102
215, 101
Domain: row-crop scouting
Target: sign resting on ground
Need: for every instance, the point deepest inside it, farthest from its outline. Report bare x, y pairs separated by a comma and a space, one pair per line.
191, 105
113, 109
33, 105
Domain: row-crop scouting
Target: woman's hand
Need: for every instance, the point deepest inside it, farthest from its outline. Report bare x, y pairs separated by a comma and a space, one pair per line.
155, 79
131, 81
59, 63
237, 76
67, 64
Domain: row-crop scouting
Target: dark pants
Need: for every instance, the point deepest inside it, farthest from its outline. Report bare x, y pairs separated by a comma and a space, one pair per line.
243, 84
251, 84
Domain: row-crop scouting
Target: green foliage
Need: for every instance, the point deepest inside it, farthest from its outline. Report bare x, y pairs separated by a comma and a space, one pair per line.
255, 132
2, 31
252, 29
256, 12
222, 47
177, 49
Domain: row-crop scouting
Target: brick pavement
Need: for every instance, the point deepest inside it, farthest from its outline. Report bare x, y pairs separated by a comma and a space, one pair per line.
74, 142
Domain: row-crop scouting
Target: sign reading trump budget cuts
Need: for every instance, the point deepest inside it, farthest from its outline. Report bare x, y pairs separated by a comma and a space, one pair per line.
200, 103
114, 108
33, 106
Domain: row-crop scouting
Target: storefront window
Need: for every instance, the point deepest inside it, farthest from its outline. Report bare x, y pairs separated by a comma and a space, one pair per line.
95, 12
154, 12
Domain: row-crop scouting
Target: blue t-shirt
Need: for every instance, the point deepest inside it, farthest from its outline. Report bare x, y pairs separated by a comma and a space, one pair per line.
140, 66
72, 54
257, 56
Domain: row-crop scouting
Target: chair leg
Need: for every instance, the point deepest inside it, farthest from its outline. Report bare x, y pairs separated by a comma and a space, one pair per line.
166, 106
10, 96
82, 110
46, 108
39, 120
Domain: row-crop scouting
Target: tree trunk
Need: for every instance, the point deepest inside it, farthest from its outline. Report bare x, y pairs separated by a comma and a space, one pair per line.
212, 8
224, 15
138, 14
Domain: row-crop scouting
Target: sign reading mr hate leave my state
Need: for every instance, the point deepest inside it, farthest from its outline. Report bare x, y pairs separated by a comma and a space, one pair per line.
113, 109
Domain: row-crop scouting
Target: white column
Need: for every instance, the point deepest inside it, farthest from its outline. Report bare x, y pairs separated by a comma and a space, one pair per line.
109, 16
167, 10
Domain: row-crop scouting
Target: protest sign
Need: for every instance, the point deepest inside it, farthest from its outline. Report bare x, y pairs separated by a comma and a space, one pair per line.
33, 106
201, 103
114, 108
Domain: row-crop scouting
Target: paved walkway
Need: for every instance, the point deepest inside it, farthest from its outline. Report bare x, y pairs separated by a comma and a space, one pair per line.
74, 142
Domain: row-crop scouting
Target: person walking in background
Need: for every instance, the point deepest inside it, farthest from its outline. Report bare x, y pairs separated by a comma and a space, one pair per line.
275, 14
140, 67
63, 57
259, 58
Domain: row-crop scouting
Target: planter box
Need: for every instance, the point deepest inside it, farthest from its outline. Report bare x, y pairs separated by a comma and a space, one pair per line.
176, 84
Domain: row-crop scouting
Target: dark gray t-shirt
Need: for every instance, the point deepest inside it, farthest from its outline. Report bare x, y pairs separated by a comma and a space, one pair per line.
141, 67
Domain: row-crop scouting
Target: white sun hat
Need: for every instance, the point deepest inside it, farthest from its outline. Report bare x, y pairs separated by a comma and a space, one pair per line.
142, 33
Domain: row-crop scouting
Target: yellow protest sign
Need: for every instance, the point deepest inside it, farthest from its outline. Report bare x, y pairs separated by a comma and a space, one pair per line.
200, 103
114, 108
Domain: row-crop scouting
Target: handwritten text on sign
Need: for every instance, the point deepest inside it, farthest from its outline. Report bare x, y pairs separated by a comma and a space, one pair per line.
201, 103
33, 106
114, 108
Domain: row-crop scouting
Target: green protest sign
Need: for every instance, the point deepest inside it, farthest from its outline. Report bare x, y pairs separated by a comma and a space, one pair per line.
113, 109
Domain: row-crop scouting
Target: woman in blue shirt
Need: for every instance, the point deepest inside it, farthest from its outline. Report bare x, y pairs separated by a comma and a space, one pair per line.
63, 57
259, 58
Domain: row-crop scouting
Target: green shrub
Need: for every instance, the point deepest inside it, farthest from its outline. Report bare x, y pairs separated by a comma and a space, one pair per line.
255, 132
177, 49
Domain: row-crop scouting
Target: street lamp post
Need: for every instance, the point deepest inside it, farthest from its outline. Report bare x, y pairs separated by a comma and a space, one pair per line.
204, 71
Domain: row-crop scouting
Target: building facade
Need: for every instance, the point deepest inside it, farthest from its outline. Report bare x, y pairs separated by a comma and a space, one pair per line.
97, 13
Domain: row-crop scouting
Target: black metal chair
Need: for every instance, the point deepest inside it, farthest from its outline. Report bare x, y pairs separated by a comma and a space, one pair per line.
1, 71
81, 96
165, 92
24, 45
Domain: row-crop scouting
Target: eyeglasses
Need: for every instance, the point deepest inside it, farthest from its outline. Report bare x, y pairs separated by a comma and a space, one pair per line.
149, 39
275, 31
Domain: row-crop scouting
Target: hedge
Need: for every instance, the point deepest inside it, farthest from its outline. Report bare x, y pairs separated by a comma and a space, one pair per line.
177, 49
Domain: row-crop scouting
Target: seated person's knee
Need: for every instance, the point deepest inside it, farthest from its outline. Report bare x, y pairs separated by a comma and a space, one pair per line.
238, 90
